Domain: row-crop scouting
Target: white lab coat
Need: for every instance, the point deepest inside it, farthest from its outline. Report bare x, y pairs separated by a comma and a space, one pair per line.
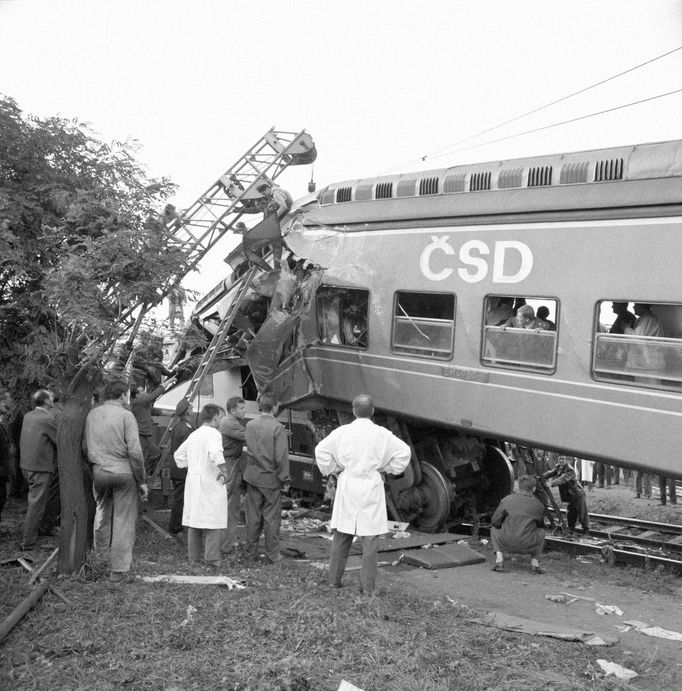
358, 452
205, 496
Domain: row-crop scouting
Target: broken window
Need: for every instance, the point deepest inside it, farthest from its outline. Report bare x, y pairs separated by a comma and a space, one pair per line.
424, 324
342, 316
638, 343
520, 332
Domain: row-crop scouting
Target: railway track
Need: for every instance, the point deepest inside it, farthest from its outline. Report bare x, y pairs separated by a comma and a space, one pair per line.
621, 540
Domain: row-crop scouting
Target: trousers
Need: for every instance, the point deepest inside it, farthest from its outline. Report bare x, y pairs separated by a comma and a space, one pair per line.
577, 513
115, 518
178, 504
204, 542
234, 490
151, 452
642, 479
263, 508
38, 494
670, 482
341, 544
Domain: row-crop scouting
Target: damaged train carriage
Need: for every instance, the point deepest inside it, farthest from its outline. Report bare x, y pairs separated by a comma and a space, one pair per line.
399, 290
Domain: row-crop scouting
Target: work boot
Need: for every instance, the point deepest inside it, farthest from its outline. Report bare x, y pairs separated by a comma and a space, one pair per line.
117, 576
537, 570
498, 566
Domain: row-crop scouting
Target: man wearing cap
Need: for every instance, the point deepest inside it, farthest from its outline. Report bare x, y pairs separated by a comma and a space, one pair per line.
233, 431
183, 428
359, 453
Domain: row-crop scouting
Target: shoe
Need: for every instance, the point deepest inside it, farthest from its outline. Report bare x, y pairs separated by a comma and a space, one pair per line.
638, 496
537, 570
661, 503
117, 576
497, 566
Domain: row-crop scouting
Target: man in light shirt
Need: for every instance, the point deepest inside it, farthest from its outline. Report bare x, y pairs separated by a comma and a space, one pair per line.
112, 444
359, 452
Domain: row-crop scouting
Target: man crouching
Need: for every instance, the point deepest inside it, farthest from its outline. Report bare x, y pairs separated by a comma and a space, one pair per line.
517, 526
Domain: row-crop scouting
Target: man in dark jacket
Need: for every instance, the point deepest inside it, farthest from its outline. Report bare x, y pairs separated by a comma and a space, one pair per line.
233, 431
38, 460
183, 428
518, 526
266, 476
570, 491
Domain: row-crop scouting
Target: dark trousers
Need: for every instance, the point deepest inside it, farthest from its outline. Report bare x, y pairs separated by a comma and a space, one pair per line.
263, 508
38, 494
151, 452
602, 472
642, 479
234, 493
577, 513
3, 493
341, 544
178, 504
670, 482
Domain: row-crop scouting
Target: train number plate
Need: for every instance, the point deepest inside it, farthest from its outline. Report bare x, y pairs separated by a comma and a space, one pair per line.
466, 374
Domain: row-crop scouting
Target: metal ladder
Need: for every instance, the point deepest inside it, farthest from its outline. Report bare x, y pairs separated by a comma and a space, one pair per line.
241, 288
216, 211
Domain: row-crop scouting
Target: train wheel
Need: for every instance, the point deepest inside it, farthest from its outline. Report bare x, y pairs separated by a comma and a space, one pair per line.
435, 490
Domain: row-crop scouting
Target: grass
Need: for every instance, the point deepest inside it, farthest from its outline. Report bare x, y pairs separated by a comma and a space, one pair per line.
284, 632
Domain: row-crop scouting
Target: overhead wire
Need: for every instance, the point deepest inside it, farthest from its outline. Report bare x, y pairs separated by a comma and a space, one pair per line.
552, 103
557, 124
439, 152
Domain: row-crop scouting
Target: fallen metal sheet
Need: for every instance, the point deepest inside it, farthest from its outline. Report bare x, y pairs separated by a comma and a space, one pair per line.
416, 539
444, 557
508, 622
195, 580
655, 631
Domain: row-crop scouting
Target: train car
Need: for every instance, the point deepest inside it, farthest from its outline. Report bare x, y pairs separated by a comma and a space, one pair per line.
423, 283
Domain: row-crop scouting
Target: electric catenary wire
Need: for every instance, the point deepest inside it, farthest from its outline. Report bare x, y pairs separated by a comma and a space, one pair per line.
552, 103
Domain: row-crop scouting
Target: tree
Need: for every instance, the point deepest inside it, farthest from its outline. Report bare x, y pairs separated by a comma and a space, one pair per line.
82, 239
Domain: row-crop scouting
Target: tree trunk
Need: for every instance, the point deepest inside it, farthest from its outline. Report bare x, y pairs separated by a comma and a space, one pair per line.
74, 478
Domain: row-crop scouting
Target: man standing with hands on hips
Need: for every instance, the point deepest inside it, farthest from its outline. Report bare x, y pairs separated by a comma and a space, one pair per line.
359, 452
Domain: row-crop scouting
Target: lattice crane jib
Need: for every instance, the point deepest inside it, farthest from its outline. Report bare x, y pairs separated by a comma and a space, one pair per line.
198, 229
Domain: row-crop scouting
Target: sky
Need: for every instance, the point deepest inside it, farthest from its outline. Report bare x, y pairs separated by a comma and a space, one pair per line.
379, 84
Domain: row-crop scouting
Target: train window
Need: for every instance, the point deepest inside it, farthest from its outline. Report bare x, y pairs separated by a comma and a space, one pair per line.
638, 343
424, 324
342, 316
520, 332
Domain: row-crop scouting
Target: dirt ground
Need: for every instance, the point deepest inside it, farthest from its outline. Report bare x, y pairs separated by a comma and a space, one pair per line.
642, 596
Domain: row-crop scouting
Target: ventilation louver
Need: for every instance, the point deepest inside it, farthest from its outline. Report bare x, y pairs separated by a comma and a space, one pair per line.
384, 190
609, 170
363, 192
572, 173
455, 183
406, 188
327, 196
428, 186
511, 177
344, 194
540, 176
479, 181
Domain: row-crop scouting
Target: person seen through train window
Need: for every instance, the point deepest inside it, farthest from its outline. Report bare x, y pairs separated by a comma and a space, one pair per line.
543, 320
570, 491
623, 318
518, 526
645, 358
359, 453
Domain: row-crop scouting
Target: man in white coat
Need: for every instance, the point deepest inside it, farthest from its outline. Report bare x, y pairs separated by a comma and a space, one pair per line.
359, 452
205, 510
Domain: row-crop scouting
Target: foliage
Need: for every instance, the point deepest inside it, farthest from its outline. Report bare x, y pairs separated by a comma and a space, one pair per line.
81, 240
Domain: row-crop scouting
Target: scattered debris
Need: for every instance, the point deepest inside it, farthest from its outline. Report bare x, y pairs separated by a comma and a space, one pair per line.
508, 622
22, 608
607, 609
401, 534
579, 597
347, 686
231, 583
560, 599
191, 611
617, 670
442, 556
655, 631
397, 527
